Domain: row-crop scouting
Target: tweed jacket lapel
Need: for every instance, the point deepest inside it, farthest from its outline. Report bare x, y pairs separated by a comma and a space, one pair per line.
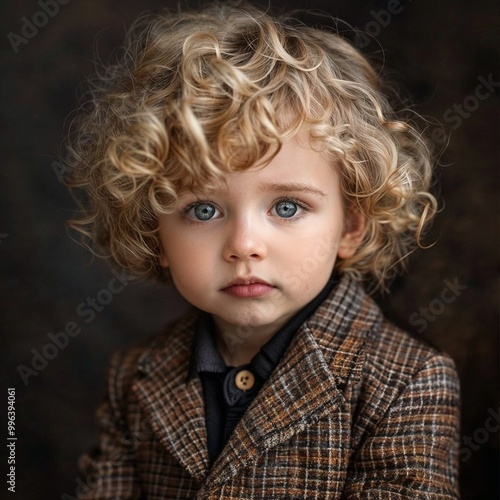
325, 355
174, 405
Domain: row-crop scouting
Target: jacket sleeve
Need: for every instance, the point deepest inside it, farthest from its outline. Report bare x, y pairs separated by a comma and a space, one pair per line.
412, 452
110, 471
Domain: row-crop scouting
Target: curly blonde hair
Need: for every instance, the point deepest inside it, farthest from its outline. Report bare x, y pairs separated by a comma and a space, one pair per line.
197, 94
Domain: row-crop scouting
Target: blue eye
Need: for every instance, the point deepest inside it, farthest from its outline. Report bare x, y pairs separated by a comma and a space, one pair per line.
286, 209
202, 211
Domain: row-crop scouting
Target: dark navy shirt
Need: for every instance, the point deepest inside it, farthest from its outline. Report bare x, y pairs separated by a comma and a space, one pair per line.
225, 404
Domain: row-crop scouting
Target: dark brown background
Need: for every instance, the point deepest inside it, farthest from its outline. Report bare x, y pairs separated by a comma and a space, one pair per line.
439, 50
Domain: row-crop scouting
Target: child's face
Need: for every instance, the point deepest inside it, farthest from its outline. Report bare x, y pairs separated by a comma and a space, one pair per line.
254, 252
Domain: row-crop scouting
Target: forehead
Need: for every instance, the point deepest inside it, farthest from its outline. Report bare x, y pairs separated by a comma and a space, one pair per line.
297, 166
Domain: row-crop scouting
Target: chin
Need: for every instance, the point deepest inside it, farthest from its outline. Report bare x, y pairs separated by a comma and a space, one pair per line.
249, 320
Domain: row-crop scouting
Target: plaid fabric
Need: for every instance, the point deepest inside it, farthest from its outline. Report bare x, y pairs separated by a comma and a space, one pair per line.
356, 409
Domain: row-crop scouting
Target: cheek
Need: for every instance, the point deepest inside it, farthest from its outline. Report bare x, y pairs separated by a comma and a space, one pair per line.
187, 281
176, 248
324, 244
182, 261
190, 266
310, 264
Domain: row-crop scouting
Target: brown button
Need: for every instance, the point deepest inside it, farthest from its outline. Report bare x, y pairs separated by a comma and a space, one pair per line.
244, 380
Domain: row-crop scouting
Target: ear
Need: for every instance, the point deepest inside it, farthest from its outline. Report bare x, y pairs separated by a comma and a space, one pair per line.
353, 234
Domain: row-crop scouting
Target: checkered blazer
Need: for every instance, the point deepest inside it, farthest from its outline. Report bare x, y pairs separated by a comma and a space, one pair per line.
356, 409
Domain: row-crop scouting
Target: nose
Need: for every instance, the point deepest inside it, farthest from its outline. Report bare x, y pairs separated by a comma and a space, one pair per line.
244, 242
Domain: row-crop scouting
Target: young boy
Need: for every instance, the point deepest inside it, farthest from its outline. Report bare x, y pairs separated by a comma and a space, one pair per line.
257, 161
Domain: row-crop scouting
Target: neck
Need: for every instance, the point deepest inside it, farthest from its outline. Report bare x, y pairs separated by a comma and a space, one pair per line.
238, 345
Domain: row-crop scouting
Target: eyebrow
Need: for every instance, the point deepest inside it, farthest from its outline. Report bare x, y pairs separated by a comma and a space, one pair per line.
291, 187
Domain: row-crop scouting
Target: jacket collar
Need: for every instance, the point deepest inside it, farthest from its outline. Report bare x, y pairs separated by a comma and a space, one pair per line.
326, 354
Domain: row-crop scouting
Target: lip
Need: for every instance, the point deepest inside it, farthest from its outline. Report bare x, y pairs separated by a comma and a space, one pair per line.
250, 287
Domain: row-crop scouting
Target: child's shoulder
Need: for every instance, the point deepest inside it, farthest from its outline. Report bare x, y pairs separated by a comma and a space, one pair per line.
396, 353
350, 319
403, 375
380, 358
400, 368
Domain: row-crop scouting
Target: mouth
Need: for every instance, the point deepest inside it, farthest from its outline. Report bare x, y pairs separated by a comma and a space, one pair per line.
250, 287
